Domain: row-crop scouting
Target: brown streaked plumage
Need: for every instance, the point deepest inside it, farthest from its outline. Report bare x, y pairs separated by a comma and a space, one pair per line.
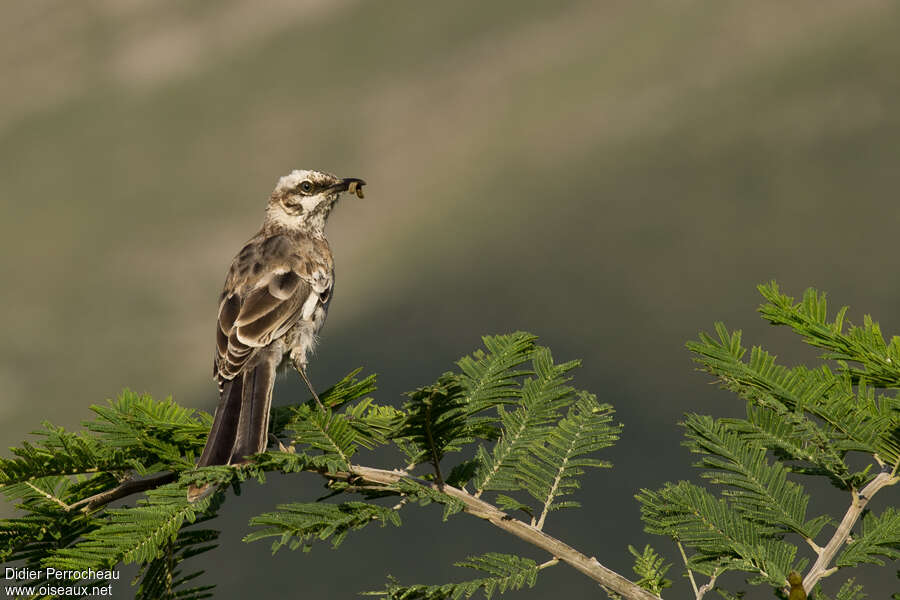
274, 303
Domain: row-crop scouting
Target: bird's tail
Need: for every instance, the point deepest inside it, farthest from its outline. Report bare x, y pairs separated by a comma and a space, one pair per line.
241, 425
253, 424
224, 428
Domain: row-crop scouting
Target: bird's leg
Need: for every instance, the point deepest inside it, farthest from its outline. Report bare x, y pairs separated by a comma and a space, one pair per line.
311, 390
300, 365
281, 446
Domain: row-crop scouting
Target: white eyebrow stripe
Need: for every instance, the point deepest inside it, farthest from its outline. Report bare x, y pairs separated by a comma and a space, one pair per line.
291, 180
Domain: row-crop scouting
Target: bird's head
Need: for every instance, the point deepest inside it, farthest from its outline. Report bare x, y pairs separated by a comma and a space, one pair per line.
304, 199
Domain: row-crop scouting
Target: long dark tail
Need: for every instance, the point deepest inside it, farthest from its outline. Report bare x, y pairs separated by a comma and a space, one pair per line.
256, 399
241, 425
224, 428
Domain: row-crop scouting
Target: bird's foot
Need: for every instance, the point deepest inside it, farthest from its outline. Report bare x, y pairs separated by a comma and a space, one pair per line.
196, 493
280, 444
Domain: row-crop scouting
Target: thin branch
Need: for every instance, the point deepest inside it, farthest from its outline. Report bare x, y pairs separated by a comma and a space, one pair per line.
558, 550
553, 561
706, 587
812, 544
361, 489
435, 459
481, 509
401, 504
690, 572
132, 486
48, 496
859, 500
512, 438
559, 475
701, 591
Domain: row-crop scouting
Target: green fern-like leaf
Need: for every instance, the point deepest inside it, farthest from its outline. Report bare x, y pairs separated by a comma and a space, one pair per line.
372, 423
426, 495
58, 453
462, 473
861, 421
879, 361
552, 468
796, 440
131, 433
490, 378
505, 502
43, 529
297, 525
348, 389
338, 435
344, 391
758, 489
723, 539
142, 426
326, 431
132, 535
849, 591
505, 572
540, 401
436, 421
284, 462
163, 579
458, 401
650, 568
759, 380
855, 420
880, 538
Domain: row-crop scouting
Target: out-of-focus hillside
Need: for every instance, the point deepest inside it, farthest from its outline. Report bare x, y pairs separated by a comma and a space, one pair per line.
613, 176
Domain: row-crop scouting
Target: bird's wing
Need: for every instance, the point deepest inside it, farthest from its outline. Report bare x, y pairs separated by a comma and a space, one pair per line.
272, 284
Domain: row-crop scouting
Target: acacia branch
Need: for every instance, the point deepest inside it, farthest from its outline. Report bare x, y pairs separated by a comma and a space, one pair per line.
127, 488
557, 479
859, 500
706, 587
483, 510
688, 567
47, 495
360, 475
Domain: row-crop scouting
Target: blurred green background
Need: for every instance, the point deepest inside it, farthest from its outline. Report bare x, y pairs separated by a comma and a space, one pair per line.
613, 176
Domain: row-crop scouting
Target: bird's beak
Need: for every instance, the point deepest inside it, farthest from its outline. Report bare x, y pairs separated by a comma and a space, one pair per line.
350, 184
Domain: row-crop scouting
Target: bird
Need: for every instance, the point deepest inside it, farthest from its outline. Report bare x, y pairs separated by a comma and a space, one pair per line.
271, 309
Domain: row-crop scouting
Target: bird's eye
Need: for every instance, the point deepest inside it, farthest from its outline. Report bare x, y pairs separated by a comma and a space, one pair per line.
306, 187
